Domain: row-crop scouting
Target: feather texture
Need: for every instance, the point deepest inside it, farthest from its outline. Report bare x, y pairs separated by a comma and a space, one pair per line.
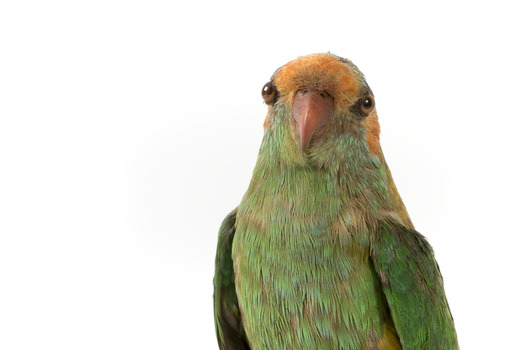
321, 253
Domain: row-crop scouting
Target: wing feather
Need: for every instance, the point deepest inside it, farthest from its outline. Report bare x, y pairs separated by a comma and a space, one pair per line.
413, 286
228, 322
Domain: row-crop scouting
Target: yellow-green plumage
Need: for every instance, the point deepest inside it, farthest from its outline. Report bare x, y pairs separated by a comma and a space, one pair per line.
320, 253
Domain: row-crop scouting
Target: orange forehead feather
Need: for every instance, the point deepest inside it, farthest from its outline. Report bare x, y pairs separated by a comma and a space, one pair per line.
323, 72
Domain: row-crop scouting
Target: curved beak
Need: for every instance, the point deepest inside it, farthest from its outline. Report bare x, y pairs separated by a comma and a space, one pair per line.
312, 110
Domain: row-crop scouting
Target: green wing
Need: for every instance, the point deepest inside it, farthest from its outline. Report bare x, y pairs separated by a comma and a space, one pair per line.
413, 286
228, 322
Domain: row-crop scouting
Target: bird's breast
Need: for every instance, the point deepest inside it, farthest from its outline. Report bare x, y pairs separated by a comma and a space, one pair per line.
303, 276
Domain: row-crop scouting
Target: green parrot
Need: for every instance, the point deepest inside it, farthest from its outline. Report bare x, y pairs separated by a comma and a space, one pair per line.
321, 253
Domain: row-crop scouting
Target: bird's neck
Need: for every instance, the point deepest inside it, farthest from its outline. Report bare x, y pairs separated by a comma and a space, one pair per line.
340, 166
319, 183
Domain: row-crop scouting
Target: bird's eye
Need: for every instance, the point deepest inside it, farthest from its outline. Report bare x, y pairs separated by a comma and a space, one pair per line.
367, 105
269, 93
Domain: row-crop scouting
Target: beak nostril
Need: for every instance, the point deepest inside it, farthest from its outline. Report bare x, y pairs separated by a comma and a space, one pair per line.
323, 93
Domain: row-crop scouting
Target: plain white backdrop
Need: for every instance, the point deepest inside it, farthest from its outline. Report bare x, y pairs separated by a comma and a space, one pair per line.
129, 129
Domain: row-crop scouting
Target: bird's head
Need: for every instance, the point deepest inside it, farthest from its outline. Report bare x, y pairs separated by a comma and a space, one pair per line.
325, 103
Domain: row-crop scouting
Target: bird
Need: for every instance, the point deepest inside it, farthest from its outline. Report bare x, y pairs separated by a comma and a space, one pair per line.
321, 252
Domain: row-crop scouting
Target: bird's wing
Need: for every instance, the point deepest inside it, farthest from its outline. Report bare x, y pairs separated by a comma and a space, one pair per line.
413, 286
228, 322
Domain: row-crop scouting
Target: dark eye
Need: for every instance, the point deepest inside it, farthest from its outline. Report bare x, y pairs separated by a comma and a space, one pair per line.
367, 105
269, 93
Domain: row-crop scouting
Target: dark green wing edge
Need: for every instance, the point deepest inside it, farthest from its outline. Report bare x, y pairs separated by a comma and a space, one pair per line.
228, 322
413, 286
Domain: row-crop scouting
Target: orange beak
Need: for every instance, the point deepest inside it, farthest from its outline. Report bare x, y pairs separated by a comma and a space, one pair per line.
312, 110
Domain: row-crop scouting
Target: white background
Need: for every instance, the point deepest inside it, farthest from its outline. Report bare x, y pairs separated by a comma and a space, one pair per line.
129, 129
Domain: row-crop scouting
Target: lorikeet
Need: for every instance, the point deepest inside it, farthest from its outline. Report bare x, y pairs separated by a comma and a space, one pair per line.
321, 253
